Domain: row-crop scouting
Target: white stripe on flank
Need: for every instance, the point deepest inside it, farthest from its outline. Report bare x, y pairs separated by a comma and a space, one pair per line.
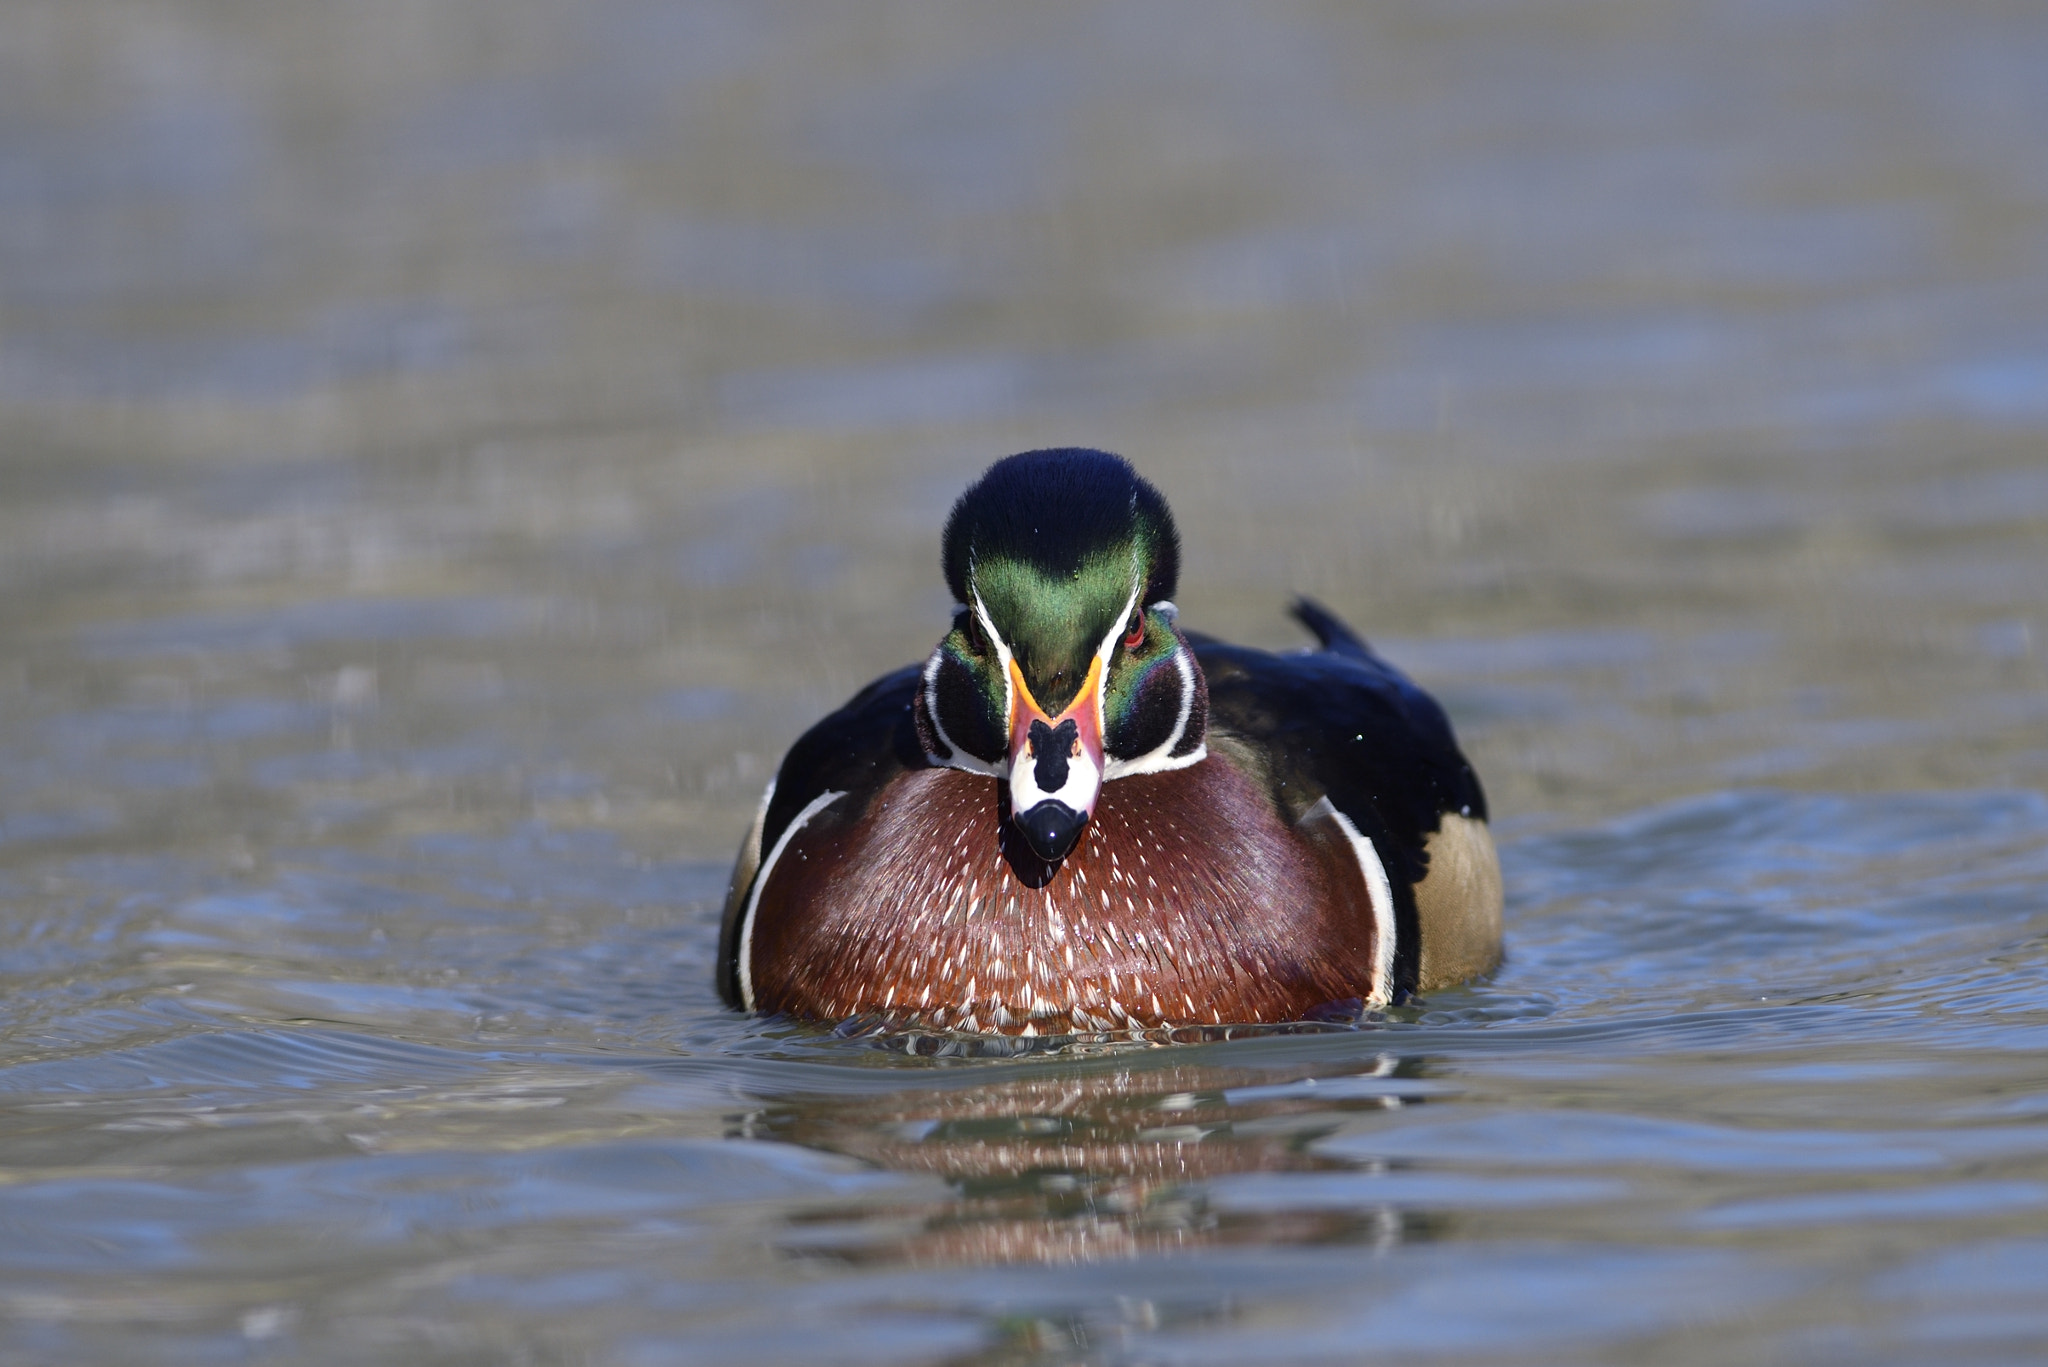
1378, 891
817, 804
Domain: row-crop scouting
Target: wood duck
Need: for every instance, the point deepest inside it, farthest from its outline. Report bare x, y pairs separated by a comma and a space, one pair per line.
1075, 817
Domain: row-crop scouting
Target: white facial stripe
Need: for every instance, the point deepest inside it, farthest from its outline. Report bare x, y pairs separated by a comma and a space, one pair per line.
988, 624
1378, 892
961, 759
1161, 757
817, 804
1084, 781
1116, 629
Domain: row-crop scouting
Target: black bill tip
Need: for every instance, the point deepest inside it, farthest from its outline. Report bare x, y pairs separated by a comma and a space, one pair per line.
1051, 828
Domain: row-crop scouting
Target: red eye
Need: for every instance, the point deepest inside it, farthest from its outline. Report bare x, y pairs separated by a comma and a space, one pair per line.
1135, 637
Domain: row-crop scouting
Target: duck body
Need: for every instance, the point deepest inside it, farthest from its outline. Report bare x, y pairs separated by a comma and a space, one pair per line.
1193, 833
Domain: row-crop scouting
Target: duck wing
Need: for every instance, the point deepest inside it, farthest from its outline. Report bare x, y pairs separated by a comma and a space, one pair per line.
1341, 723
853, 753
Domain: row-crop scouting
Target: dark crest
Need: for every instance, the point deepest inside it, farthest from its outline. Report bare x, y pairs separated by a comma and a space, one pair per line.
1053, 510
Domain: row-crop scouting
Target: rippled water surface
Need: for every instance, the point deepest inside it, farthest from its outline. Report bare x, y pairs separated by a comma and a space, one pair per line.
448, 450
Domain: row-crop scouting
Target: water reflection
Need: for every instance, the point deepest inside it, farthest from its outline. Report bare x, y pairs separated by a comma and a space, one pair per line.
1102, 1161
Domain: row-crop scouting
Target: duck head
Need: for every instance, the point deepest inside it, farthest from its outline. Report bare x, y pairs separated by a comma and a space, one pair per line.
1064, 669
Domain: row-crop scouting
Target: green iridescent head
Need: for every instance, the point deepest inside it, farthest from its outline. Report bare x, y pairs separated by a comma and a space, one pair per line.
1064, 668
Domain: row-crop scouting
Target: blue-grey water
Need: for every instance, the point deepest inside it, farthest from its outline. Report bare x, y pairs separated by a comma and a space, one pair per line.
448, 448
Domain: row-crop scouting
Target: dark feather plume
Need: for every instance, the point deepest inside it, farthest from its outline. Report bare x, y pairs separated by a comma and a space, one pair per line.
1053, 510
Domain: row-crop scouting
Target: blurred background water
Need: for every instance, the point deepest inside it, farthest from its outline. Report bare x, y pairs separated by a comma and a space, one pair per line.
448, 448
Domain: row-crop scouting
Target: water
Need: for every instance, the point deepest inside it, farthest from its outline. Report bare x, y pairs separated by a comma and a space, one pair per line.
448, 451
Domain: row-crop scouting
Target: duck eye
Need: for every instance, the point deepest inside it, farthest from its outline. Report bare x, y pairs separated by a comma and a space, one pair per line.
1135, 637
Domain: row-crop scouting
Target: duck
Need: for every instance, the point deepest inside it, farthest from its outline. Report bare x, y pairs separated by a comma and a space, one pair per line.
1076, 817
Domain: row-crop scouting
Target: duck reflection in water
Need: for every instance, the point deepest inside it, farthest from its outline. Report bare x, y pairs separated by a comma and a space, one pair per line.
1097, 1161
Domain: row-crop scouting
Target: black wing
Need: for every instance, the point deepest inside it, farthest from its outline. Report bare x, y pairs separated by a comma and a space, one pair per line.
855, 750
1342, 723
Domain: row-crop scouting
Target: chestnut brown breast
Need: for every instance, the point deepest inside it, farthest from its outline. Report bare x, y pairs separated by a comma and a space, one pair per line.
1189, 901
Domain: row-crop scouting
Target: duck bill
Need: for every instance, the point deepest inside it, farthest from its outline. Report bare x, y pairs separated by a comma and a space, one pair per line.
1055, 764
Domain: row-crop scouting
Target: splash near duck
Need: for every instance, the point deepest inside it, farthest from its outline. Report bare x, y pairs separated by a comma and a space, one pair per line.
1076, 817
